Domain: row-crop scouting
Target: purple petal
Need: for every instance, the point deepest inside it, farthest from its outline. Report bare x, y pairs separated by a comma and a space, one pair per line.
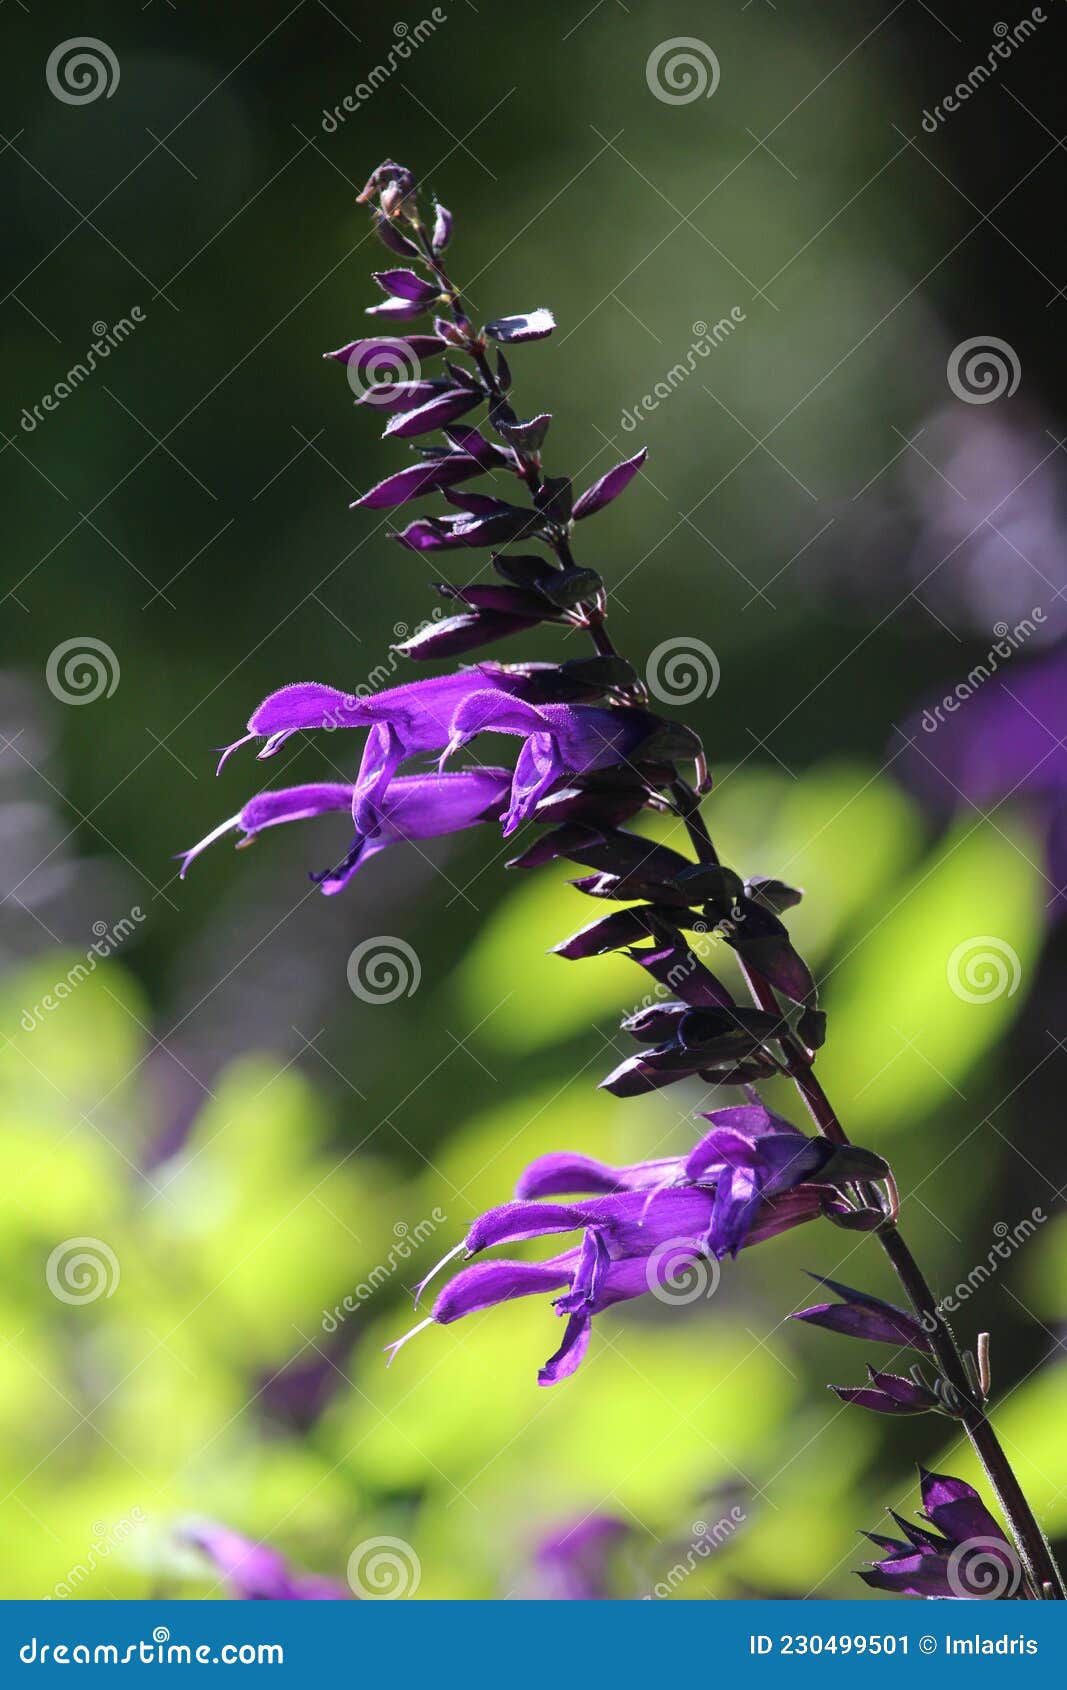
675, 967
530, 325
373, 347
610, 933
485, 1284
469, 440
442, 228
417, 479
405, 284
880, 1402
956, 1509
396, 310
464, 633
566, 1172
434, 414
568, 1358
609, 486
389, 397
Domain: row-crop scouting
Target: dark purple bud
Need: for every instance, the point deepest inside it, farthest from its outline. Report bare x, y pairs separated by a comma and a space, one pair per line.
555, 498
418, 479
512, 601
610, 933
405, 284
395, 310
565, 587
503, 375
452, 332
464, 377
675, 967
399, 354
920, 1401
655, 1023
387, 175
845, 1162
862, 1316
609, 486
774, 895
445, 408
442, 229
812, 1028
600, 806
762, 941
389, 397
709, 883
526, 436
581, 680
469, 440
463, 633
853, 1218
530, 325
428, 534
390, 236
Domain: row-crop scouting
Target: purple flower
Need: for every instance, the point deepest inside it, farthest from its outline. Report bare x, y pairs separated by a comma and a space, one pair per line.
414, 807
751, 1177
999, 737
444, 714
966, 1557
253, 1572
574, 1560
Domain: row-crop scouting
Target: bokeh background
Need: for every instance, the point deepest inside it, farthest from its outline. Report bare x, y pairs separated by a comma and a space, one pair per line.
823, 508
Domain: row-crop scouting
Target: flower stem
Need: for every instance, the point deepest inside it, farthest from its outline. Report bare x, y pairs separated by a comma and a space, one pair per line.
1035, 1554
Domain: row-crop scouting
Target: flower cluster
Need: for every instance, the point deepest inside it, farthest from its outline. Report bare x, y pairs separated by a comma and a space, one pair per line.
591, 758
